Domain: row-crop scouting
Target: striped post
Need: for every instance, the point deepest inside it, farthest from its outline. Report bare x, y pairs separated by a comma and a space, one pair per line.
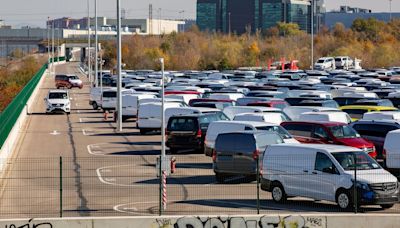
164, 190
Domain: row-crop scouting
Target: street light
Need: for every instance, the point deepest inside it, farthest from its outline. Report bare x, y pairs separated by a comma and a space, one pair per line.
96, 67
390, 9
312, 34
88, 54
119, 68
162, 110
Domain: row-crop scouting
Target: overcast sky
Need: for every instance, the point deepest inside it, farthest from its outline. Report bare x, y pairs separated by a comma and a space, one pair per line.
35, 12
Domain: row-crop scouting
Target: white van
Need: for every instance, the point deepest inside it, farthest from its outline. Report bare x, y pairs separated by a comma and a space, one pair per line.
95, 96
341, 117
130, 104
232, 111
390, 115
325, 63
149, 116
217, 127
109, 98
183, 97
272, 117
326, 172
294, 112
392, 148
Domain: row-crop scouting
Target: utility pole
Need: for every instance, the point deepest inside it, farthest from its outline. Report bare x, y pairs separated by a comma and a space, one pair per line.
96, 54
88, 52
229, 23
52, 49
159, 21
48, 42
101, 69
150, 19
119, 68
312, 34
390, 9
58, 42
162, 109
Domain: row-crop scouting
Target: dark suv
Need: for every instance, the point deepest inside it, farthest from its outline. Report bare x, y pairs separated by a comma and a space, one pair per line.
187, 132
376, 131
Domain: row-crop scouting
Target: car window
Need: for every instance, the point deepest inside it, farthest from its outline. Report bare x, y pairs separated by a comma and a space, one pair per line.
359, 160
58, 96
110, 94
182, 124
231, 143
302, 130
319, 132
323, 162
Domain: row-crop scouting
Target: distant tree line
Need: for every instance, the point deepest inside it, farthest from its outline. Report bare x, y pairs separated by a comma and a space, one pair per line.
375, 42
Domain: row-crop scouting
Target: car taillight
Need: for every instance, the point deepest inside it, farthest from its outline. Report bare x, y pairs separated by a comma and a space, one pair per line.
166, 132
256, 153
214, 155
198, 134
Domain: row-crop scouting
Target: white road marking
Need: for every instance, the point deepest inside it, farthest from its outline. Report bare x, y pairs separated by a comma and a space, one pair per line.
125, 207
55, 132
108, 182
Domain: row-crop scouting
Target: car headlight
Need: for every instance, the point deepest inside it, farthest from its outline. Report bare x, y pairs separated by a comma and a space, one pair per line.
363, 186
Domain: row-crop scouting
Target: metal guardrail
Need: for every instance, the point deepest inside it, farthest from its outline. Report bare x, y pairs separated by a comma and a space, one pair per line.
11, 113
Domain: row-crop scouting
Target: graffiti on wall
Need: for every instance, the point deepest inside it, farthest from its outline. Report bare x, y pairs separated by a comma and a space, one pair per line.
295, 221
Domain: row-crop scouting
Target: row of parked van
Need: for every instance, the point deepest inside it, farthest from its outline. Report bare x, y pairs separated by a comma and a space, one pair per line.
309, 134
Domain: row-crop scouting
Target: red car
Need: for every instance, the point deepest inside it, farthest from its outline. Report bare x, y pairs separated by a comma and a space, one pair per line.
311, 132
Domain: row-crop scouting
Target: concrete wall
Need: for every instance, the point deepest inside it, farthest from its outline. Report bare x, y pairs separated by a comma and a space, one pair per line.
261, 221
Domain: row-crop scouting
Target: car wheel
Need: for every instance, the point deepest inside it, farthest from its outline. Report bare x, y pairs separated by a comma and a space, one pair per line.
386, 206
143, 131
95, 106
220, 177
68, 113
278, 193
344, 200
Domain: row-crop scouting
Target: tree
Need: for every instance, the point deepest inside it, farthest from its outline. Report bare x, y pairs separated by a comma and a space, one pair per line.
288, 29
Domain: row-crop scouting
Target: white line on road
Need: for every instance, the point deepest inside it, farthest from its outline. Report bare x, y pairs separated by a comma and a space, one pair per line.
106, 180
128, 206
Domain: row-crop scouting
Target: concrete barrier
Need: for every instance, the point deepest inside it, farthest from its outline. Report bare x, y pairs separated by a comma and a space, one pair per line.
240, 221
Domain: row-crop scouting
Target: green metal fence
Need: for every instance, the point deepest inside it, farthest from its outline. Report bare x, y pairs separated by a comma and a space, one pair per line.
10, 115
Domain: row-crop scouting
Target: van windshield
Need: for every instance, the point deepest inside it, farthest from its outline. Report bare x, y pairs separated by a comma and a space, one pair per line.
344, 131
277, 129
363, 161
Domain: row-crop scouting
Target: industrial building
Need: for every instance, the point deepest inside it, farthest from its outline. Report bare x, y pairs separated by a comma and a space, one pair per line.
239, 16
346, 16
138, 26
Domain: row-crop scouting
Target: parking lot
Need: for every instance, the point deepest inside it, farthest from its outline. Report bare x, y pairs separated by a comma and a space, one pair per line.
109, 173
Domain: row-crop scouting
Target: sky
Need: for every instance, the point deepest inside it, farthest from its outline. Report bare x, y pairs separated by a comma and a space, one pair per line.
35, 12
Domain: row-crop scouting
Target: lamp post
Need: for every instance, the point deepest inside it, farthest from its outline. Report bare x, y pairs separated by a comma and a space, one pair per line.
52, 49
119, 68
390, 9
312, 34
96, 41
88, 54
48, 43
162, 109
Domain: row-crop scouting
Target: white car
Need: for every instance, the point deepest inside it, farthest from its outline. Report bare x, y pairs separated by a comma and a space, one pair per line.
58, 101
75, 81
325, 63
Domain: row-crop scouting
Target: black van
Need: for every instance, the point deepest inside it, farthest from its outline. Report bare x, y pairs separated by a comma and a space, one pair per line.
235, 154
187, 132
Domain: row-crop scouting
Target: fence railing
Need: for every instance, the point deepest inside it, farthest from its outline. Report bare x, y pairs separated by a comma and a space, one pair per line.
126, 185
12, 112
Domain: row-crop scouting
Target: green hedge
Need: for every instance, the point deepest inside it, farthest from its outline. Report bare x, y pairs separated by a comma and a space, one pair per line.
11, 113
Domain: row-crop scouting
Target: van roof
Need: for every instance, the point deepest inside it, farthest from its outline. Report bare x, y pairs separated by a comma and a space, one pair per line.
324, 123
253, 123
319, 147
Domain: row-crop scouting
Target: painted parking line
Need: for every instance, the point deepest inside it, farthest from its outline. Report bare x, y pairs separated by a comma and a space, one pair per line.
112, 180
130, 208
